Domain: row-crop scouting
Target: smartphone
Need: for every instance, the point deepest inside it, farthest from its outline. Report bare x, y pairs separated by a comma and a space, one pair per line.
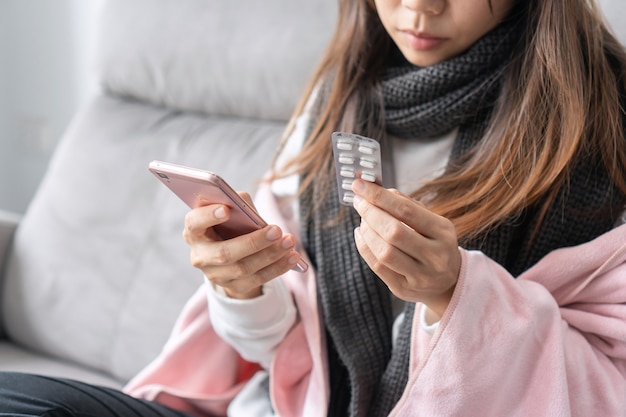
198, 188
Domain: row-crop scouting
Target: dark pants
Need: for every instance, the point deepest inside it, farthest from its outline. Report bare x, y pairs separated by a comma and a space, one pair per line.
24, 395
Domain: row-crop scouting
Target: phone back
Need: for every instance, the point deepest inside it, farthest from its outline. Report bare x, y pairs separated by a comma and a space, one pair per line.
200, 188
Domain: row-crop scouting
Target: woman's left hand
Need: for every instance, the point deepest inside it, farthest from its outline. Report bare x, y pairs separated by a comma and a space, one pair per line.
414, 251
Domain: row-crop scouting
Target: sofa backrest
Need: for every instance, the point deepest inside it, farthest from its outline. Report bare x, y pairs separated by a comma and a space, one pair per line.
98, 270
238, 58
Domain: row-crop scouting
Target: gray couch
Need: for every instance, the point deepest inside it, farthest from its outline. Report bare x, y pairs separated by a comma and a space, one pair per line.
97, 271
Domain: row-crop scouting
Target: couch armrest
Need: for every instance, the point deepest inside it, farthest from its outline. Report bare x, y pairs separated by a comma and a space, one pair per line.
8, 224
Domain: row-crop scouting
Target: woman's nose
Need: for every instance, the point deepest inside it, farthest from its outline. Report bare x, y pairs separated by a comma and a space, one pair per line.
434, 7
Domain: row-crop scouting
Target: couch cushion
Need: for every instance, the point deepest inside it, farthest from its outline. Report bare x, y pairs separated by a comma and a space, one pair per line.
247, 57
99, 269
16, 359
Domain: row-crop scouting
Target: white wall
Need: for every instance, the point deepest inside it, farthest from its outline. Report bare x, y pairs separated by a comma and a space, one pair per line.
4, 110
615, 12
45, 75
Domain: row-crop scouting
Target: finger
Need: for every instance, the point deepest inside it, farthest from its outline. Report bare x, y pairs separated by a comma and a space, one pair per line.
231, 251
268, 272
391, 278
245, 276
409, 211
393, 232
396, 257
404, 250
280, 254
416, 286
246, 197
199, 221
389, 227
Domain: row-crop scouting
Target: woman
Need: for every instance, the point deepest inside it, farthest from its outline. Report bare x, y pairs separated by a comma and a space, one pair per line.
489, 281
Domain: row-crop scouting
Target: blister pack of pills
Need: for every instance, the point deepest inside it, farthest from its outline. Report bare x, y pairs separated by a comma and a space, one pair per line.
355, 157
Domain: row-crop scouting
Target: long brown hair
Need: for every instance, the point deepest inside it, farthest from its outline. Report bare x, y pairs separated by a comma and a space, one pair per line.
562, 100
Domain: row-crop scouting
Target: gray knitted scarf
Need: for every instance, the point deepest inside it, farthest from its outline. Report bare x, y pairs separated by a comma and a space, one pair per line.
367, 376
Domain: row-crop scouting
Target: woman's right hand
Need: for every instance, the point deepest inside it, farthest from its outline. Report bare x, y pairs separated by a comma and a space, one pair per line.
240, 265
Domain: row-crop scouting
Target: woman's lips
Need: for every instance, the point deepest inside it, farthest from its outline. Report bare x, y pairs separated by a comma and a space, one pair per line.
422, 41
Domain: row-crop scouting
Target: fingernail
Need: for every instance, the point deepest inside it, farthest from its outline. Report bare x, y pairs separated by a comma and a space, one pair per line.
356, 201
357, 233
287, 242
272, 234
293, 259
220, 213
358, 186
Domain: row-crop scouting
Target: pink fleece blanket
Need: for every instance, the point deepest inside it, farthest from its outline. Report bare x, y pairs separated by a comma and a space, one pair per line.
550, 343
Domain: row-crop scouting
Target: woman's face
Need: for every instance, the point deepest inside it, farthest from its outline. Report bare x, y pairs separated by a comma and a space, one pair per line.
431, 31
